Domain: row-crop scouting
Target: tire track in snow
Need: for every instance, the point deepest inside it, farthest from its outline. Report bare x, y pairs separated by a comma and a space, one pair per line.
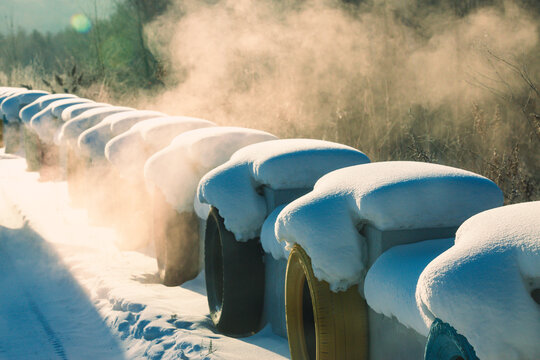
52, 338
51, 335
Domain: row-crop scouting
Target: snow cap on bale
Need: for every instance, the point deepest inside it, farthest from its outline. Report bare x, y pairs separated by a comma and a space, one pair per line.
93, 140
390, 195
12, 105
59, 106
27, 113
280, 164
177, 169
129, 151
390, 283
75, 110
269, 242
159, 136
483, 285
46, 124
121, 123
7, 92
72, 129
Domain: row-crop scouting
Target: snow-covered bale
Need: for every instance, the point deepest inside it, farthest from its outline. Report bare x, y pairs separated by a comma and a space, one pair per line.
93, 140
269, 242
390, 283
129, 151
59, 106
387, 195
16, 133
7, 92
483, 285
73, 128
75, 110
121, 124
12, 105
10, 130
233, 187
29, 111
47, 122
177, 169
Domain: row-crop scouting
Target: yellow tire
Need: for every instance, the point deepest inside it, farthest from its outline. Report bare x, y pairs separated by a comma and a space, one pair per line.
321, 324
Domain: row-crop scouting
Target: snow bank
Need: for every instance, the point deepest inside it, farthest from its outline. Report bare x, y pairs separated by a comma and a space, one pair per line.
129, 151
177, 169
46, 124
14, 103
92, 141
390, 283
280, 164
39, 104
482, 285
73, 128
388, 195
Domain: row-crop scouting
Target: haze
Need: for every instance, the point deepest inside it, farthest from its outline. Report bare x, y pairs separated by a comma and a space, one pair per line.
47, 15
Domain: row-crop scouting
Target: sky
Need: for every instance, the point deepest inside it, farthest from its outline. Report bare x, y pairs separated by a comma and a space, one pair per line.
47, 15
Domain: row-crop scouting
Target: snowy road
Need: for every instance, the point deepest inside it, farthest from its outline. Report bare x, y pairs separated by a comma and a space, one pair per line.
66, 292
42, 309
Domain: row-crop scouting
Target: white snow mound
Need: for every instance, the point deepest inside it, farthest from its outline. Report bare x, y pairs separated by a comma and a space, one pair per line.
75, 110
391, 281
388, 195
29, 111
15, 102
269, 242
121, 123
129, 151
59, 106
93, 140
482, 285
177, 169
280, 164
73, 128
46, 124
6, 92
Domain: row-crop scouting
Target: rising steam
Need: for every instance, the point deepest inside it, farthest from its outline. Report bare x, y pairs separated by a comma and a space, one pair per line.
298, 65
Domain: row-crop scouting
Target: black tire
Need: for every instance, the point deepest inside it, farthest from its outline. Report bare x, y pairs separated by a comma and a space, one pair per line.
234, 279
444, 343
177, 244
1, 132
322, 324
12, 137
75, 178
50, 163
32, 148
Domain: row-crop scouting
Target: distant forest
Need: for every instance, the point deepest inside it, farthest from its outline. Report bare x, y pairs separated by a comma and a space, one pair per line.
115, 49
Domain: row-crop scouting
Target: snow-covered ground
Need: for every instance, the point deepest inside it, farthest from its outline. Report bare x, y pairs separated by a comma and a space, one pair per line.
66, 292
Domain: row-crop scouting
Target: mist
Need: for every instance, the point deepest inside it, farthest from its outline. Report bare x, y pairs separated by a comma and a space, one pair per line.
301, 64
